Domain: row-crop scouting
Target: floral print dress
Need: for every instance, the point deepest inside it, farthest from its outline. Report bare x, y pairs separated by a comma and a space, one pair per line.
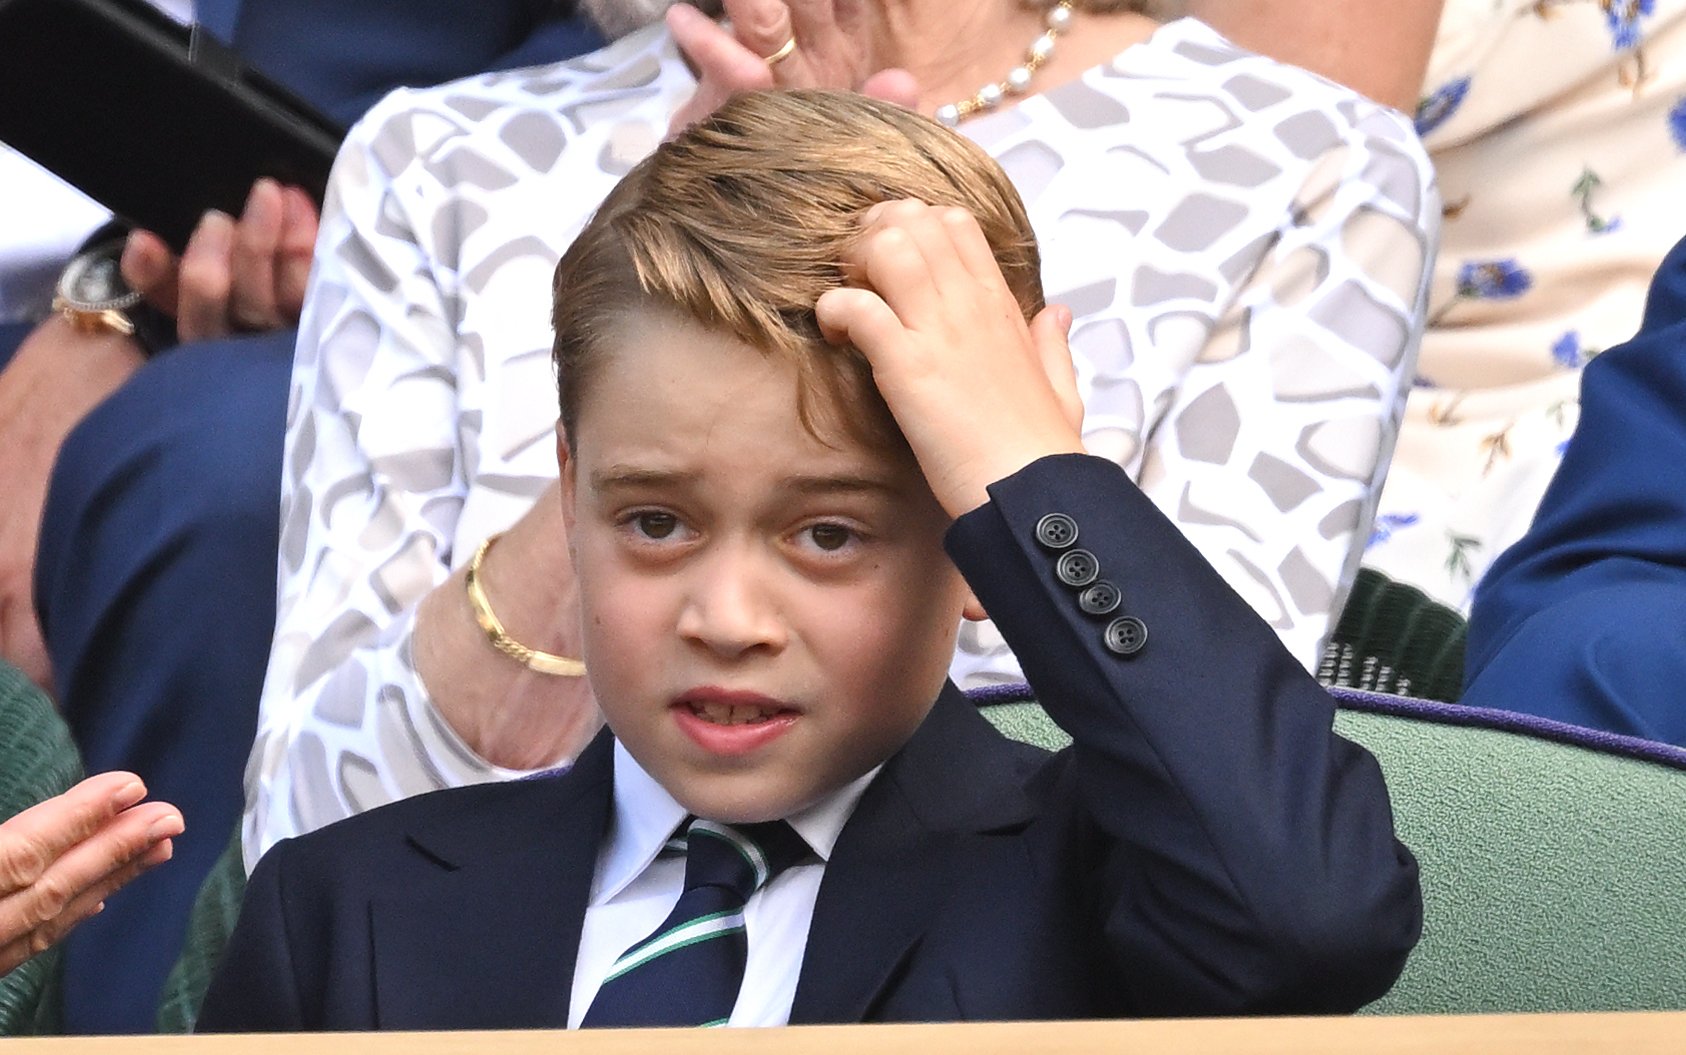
1558, 128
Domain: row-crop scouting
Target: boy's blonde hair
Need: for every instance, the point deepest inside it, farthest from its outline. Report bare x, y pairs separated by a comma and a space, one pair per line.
742, 221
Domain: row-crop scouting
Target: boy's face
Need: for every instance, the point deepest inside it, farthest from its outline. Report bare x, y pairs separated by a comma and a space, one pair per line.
766, 616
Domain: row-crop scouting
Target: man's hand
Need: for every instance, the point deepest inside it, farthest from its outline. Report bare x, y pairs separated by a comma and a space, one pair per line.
978, 393
236, 276
56, 377
830, 53
60, 859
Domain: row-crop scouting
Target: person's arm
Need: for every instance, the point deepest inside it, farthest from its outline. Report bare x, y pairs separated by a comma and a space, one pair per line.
1243, 854
61, 858
380, 685
1244, 859
1274, 443
1379, 49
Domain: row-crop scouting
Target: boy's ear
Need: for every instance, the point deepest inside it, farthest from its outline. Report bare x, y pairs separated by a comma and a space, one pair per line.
566, 466
973, 608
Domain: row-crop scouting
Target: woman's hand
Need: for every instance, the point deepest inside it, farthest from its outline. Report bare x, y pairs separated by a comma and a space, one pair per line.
60, 859
236, 276
977, 391
830, 52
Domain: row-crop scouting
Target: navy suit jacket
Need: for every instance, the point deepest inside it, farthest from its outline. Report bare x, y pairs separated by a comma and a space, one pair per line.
1207, 846
1580, 619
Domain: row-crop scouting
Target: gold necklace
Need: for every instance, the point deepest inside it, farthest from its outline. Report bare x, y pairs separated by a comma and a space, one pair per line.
1017, 81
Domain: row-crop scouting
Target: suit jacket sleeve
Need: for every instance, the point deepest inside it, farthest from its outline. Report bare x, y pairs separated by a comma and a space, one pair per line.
1244, 855
1609, 539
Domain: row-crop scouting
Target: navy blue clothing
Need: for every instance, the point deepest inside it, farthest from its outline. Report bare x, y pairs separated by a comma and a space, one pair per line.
11, 336
155, 579
1584, 618
1208, 845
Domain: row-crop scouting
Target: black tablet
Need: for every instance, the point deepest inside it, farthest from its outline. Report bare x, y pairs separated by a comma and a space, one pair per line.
156, 121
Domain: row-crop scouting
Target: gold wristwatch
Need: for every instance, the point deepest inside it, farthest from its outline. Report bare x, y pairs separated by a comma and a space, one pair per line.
92, 295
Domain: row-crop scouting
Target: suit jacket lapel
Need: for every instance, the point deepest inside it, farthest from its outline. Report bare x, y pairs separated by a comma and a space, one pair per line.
888, 873
490, 942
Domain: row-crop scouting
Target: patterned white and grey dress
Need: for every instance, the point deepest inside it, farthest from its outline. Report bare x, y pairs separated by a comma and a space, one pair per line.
1243, 246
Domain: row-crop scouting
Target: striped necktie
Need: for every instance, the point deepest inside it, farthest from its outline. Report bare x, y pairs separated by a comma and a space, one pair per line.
688, 972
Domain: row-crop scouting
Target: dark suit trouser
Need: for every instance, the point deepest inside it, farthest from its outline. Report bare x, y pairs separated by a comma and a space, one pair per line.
156, 584
1584, 619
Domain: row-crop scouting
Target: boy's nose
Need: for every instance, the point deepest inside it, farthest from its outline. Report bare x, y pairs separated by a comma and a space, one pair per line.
729, 610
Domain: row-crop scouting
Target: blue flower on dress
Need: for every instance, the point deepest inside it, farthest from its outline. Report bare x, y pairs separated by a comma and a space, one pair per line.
1567, 349
1623, 17
1493, 280
1387, 524
1677, 123
1433, 111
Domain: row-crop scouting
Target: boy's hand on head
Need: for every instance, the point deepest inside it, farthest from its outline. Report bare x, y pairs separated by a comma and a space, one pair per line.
978, 392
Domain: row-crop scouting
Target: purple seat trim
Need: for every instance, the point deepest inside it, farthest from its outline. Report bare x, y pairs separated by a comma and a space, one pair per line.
1443, 714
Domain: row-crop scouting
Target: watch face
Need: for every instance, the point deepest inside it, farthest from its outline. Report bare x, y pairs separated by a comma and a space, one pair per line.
93, 281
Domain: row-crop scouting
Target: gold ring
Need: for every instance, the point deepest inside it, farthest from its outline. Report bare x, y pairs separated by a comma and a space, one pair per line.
786, 51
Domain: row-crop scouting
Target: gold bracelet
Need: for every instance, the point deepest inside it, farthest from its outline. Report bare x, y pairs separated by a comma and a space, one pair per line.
531, 658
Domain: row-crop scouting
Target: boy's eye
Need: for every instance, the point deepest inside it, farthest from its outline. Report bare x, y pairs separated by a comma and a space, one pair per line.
830, 537
655, 525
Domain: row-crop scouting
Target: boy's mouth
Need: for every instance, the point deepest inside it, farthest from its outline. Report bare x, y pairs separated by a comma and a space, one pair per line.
729, 707
727, 714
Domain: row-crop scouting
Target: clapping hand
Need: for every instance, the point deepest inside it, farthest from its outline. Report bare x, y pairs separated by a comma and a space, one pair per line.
60, 859
784, 44
244, 275
978, 392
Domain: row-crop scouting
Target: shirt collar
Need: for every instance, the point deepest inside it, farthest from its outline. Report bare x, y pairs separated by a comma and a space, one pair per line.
646, 816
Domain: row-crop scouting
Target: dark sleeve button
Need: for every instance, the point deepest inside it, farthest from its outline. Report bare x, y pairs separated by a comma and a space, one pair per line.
1126, 635
1056, 531
1100, 598
1077, 567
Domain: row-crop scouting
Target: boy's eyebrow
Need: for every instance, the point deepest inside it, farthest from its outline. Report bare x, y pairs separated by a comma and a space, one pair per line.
621, 476
624, 477
839, 482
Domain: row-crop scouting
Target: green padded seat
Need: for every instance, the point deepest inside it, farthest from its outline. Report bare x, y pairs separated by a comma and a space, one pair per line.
37, 761
1553, 858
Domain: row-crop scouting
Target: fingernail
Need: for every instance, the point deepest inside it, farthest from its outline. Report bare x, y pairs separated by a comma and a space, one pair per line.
262, 198
164, 828
216, 229
296, 208
128, 795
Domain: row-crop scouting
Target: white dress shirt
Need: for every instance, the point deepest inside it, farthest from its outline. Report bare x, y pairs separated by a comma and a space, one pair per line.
636, 886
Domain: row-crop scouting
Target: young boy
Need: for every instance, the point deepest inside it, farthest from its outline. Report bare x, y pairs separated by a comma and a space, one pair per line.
801, 349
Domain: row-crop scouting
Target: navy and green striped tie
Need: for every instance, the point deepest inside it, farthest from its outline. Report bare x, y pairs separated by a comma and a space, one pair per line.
689, 971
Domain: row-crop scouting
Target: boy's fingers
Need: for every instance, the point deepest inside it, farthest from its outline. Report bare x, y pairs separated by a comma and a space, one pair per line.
973, 251
894, 266
1050, 333
859, 317
31, 841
